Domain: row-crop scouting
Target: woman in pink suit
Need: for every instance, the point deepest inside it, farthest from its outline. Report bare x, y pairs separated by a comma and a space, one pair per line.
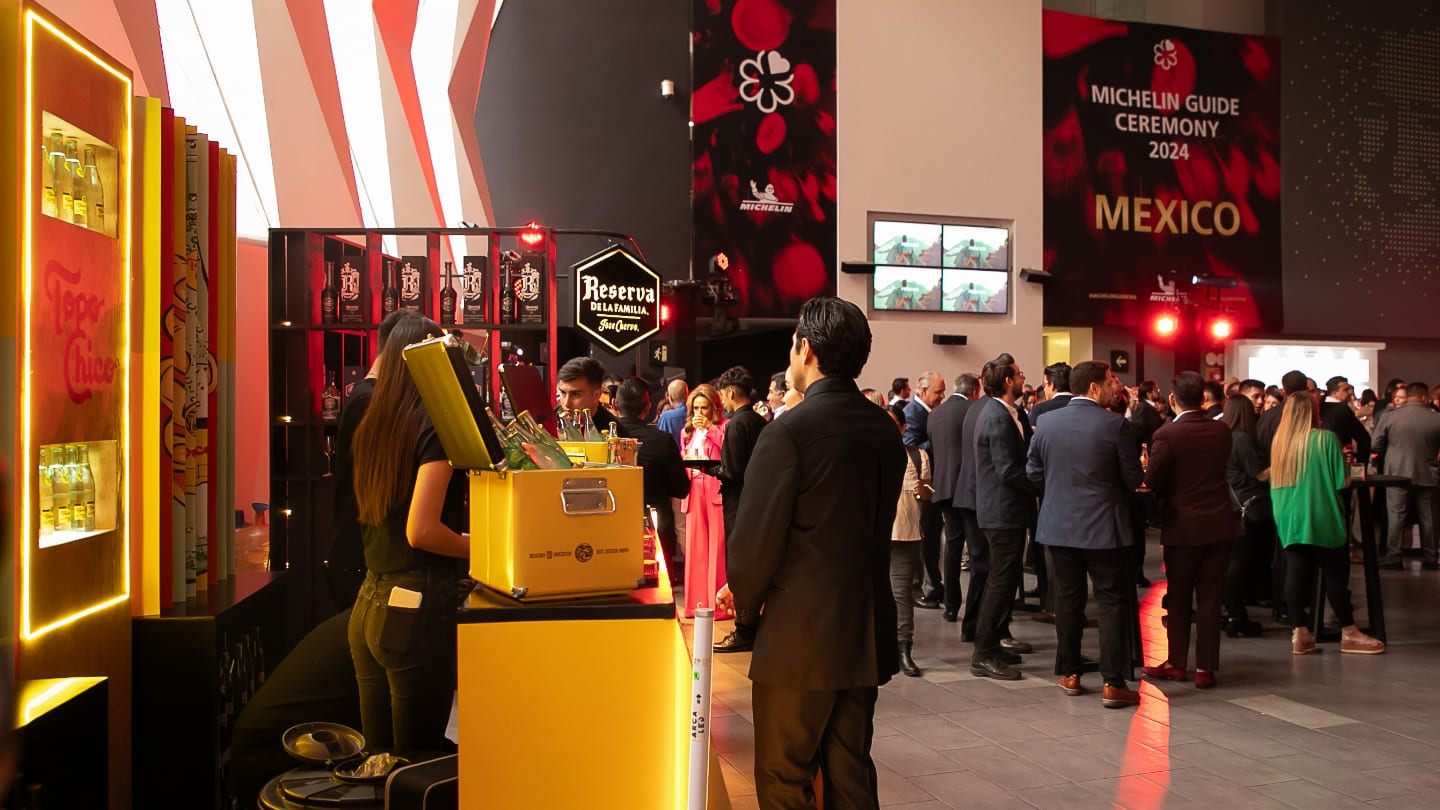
704, 521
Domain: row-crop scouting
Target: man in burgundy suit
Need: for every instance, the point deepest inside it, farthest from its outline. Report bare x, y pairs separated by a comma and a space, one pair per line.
1187, 470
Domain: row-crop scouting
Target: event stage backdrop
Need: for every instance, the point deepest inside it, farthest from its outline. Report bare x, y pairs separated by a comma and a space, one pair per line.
1162, 162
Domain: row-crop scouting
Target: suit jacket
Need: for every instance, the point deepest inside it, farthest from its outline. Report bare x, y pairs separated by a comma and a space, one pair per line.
1188, 458
1060, 400
815, 550
1147, 419
659, 459
1265, 428
742, 430
1004, 497
916, 420
1086, 463
1409, 436
964, 495
946, 450
1338, 418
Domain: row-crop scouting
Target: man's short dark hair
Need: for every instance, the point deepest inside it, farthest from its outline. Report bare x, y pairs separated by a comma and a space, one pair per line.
632, 398
1147, 387
1004, 359
966, 385
1085, 374
778, 382
1189, 390
1293, 381
1246, 385
899, 384
1215, 390
1058, 375
582, 368
1333, 384
738, 379
387, 325
838, 334
994, 377
1417, 390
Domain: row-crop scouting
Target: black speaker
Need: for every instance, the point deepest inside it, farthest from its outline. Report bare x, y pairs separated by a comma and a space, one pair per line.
858, 268
1034, 276
948, 340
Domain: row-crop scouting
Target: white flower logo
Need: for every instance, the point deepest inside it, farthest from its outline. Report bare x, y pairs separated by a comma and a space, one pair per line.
1165, 54
765, 81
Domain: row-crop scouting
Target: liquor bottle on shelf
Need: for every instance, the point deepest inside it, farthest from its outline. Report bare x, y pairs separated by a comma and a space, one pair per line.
330, 401
447, 296
79, 208
351, 307
77, 496
49, 200
47, 495
412, 284
507, 286
329, 298
389, 295
473, 284
62, 179
94, 191
86, 477
60, 488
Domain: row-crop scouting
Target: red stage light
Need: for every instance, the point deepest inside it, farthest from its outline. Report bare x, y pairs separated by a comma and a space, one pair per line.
664, 313
1220, 329
1165, 325
532, 236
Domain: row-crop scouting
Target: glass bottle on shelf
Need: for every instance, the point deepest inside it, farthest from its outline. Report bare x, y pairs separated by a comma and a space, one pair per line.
330, 401
447, 296
60, 488
86, 477
329, 297
47, 495
80, 210
61, 178
94, 191
48, 202
389, 295
77, 493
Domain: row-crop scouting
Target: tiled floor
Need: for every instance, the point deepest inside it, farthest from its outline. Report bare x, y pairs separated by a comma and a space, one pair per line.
1312, 732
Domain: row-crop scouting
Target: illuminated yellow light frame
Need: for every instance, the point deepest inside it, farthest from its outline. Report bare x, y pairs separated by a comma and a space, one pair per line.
27, 443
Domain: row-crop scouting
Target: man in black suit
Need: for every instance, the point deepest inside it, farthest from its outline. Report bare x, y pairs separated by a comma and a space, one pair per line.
1144, 415
815, 552
1004, 506
742, 431
1084, 458
1339, 418
1057, 395
1212, 399
579, 383
943, 429
659, 459
1269, 421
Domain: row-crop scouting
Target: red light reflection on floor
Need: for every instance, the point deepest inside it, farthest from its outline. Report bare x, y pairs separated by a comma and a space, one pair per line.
1145, 769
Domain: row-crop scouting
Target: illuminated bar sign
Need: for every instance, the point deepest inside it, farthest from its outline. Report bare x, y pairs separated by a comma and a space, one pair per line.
617, 299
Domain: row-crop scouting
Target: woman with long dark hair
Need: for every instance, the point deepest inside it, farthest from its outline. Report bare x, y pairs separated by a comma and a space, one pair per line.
402, 630
1307, 472
1247, 476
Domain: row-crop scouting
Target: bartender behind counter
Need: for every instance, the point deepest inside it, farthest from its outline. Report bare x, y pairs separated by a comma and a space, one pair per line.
579, 388
664, 472
402, 629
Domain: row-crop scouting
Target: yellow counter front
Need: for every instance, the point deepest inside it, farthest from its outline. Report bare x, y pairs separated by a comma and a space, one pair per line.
582, 703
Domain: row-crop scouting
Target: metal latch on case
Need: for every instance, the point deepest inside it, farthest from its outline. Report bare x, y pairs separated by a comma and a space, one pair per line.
586, 496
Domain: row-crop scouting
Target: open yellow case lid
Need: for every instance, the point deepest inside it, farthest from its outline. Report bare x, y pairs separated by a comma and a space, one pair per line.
449, 394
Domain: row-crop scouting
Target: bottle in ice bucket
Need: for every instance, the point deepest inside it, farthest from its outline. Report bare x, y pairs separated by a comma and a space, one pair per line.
543, 441
515, 454
588, 433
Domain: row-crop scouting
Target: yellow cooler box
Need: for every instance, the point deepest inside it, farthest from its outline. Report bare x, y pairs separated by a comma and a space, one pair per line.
553, 534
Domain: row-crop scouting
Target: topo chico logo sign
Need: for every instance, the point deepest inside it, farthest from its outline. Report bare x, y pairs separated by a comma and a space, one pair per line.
617, 299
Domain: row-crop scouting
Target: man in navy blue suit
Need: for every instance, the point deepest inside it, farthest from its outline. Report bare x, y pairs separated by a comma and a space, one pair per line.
929, 393
1083, 459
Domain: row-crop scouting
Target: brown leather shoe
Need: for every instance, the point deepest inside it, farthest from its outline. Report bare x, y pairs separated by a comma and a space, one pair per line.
1070, 685
1118, 697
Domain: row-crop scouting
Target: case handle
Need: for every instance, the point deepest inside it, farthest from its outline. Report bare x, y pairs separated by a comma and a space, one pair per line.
576, 502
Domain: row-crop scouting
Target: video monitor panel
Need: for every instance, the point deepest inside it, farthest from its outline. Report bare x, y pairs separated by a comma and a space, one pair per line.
982, 291
907, 244
976, 246
907, 289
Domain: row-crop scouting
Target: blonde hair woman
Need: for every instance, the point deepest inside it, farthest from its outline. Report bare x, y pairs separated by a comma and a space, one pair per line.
704, 518
1307, 471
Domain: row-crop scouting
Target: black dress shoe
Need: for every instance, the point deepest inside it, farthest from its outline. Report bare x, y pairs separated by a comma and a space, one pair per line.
1243, 628
1008, 657
1015, 645
950, 616
928, 604
992, 668
907, 661
735, 642
1142, 582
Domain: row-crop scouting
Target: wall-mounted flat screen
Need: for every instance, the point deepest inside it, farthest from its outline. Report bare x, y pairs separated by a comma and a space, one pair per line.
908, 244
975, 291
974, 246
915, 289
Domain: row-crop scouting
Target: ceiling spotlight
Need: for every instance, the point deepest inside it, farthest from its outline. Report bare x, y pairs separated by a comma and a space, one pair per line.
1223, 282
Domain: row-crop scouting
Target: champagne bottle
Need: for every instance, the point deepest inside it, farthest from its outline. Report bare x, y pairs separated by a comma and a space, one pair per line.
543, 441
47, 495
515, 456
60, 487
329, 298
330, 401
86, 478
94, 191
448, 296
62, 179
80, 211
389, 295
